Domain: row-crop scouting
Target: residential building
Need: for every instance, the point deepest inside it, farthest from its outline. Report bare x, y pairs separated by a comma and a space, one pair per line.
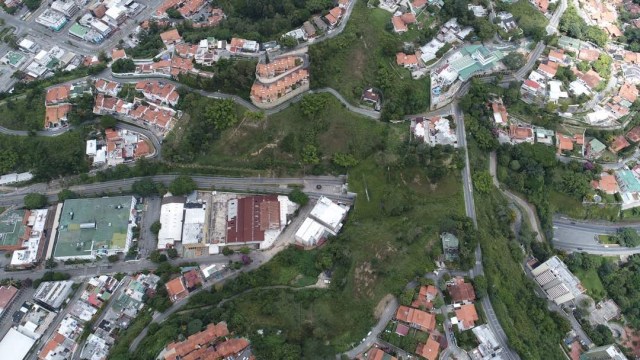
68, 8
32, 248
461, 291
309, 29
192, 279
171, 37
605, 352
95, 227
334, 16
176, 289
607, 184
371, 96
500, 115
589, 55
117, 54
107, 87
634, 134
475, 59
56, 115
466, 317
555, 91
7, 294
158, 92
439, 132
489, 348
557, 55
278, 67
375, 353
618, 144
549, 70
521, 134
407, 61
211, 343
418, 319
450, 246
425, 298
58, 94
558, 283
271, 92
430, 349
595, 148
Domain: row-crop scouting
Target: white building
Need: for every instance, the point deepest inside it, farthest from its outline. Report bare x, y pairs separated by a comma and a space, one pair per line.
193, 225
325, 219
555, 91
52, 20
171, 219
68, 8
15, 345
557, 281
52, 294
28, 45
28, 255
605, 352
430, 49
489, 348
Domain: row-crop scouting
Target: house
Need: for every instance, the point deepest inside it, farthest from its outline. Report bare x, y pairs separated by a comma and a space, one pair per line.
613, 31
618, 144
426, 295
607, 184
176, 289
371, 96
591, 79
628, 92
58, 94
118, 54
107, 87
544, 136
56, 115
334, 16
7, 294
399, 26
595, 148
309, 29
605, 352
418, 4
171, 37
500, 115
418, 319
542, 5
460, 291
192, 279
549, 69
555, 91
466, 316
588, 55
407, 61
507, 22
634, 134
564, 143
158, 92
521, 134
376, 353
557, 55
531, 86
430, 349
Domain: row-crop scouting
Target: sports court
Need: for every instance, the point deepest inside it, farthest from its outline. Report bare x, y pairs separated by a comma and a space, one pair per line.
11, 228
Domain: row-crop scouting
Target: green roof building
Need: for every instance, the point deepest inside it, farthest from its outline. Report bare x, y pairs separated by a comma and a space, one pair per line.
78, 30
95, 227
568, 43
596, 148
450, 246
12, 228
475, 59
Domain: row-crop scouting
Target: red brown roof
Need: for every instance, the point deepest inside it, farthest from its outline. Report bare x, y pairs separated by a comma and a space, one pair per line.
634, 134
176, 289
429, 350
7, 293
467, 315
619, 143
418, 318
461, 291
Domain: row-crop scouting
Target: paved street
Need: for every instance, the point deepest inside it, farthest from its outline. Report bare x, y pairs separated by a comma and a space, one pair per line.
570, 235
372, 337
6, 321
151, 214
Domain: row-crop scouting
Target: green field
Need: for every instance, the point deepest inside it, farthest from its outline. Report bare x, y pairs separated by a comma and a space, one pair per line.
564, 204
591, 281
11, 228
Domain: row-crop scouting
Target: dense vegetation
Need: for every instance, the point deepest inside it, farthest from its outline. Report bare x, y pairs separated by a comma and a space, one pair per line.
261, 20
623, 285
573, 25
230, 76
361, 57
149, 42
532, 22
533, 331
45, 157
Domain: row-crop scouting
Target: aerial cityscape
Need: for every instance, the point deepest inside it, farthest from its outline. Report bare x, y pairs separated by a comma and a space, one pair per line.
319, 179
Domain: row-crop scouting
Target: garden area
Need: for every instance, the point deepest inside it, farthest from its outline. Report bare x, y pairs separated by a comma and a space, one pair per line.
408, 342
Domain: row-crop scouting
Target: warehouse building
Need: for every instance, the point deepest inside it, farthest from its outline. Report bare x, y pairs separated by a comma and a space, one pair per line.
95, 227
558, 283
325, 220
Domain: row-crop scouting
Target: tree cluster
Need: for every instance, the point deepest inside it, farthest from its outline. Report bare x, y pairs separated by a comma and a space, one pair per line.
573, 25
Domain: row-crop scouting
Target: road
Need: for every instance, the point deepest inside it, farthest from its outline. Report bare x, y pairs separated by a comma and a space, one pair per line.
372, 337
147, 242
570, 235
532, 217
6, 321
492, 320
552, 28
314, 186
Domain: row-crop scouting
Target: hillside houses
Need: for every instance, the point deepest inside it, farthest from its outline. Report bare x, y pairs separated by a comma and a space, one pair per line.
280, 80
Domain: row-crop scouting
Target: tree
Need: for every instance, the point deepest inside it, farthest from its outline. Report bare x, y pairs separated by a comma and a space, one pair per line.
310, 154
288, 41
173, 13
66, 194
627, 237
407, 297
344, 160
227, 251
312, 105
32, 4
108, 122
172, 253
35, 201
482, 181
245, 250
182, 185
155, 228
298, 197
113, 258
221, 115
8, 160
480, 285
146, 187
194, 326
157, 257
514, 60
123, 66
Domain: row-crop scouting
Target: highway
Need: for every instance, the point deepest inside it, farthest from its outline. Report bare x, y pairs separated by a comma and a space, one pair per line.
570, 235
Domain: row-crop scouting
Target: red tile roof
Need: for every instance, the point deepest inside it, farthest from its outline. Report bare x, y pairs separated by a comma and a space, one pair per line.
467, 315
58, 94
176, 289
7, 293
171, 36
429, 350
423, 320
634, 134
461, 291
619, 143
